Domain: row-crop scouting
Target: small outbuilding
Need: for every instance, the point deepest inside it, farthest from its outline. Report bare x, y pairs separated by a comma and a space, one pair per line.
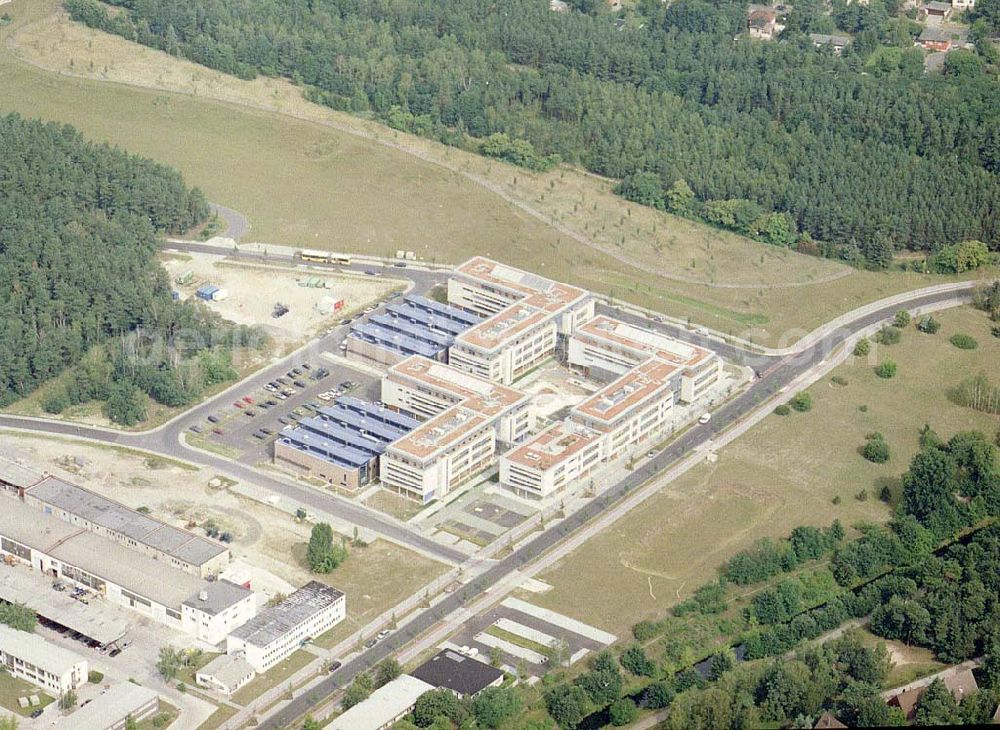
461, 674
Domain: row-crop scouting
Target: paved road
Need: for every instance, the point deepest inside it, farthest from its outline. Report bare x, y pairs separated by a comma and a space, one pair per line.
166, 439
237, 224
775, 377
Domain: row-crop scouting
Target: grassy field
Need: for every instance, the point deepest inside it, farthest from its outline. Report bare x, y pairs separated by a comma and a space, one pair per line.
218, 717
166, 713
376, 578
783, 473
274, 676
11, 688
306, 175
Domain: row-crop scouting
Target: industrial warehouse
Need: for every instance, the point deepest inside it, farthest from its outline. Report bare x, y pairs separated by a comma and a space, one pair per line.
125, 577
449, 412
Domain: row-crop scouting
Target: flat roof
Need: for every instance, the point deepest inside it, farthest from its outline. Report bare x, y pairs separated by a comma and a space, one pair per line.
19, 475
32, 648
324, 448
76, 546
522, 284
111, 515
415, 312
504, 326
352, 437
347, 418
423, 331
642, 342
383, 705
473, 392
95, 621
556, 444
379, 412
439, 432
383, 337
219, 595
446, 310
275, 621
450, 670
110, 708
632, 389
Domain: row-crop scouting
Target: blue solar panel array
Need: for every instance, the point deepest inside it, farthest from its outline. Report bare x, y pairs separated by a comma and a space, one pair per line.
350, 433
415, 326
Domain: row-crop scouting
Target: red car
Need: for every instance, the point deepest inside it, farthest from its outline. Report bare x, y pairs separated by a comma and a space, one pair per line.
218, 431
247, 399
240, 404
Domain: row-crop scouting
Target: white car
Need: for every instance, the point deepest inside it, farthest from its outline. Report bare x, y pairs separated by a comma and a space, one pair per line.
705, 418
323, 396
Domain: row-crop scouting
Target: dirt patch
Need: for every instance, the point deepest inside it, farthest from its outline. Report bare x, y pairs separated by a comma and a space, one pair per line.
254, 290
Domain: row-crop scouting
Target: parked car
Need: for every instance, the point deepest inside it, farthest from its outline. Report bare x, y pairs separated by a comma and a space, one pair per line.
35, 714
271, 402
196, 428
705, 418
289, 391
335, 665
213, 419
250, 413
247, 399
258, 435
270, 387
218, 431
371, 272
114, 652
370, 643
300, 383
284, 421
281, 396
297, 371
240, 404
283, 381
306, 366
266, 431
382, 634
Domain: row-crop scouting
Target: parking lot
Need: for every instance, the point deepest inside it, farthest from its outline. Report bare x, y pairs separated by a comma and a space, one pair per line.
530, 638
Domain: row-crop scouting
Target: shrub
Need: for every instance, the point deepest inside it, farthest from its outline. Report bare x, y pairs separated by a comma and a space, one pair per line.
623, 712
645, 630
782, 410
889, 336
862, 496
862, 348
885, 494
94, 677
876, 450
902, 319
801, 402
863, 408
836, 499
838, 380
928, 325
963, 341
886, 369
56, 401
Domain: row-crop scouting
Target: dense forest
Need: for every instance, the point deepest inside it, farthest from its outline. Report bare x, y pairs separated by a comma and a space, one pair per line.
78, 279
864, 150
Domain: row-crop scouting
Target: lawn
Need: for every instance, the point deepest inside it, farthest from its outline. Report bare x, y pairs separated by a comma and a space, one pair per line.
11, 688
375, 578
167, 711
218, 717
278, 674
783, 473
306, 175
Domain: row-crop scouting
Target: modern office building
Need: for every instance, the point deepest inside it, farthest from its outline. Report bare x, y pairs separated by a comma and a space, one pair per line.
631, 409
122, 576
606, 348
528, 317
80, 507
342, 443
278, 631
469, 419
552, 460
29, 657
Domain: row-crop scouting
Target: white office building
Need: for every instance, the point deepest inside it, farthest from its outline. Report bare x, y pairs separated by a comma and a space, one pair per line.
279, 630
29, 657
552, 460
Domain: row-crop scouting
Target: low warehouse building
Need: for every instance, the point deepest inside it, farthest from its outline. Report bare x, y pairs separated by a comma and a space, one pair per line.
114, 709
385, 706
120, 575
15, 477
30, 657
278, 631
142, 533
226, 674
457, 673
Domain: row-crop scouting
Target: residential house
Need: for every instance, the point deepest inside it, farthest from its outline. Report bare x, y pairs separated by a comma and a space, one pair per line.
934, 39
836, 42
935, 10
762, 24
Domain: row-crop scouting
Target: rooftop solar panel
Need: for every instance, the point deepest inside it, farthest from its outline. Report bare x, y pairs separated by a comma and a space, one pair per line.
342, 435
427, 317
336, 453
455, 313
353, 419
379, 412
416, 330
395, 341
